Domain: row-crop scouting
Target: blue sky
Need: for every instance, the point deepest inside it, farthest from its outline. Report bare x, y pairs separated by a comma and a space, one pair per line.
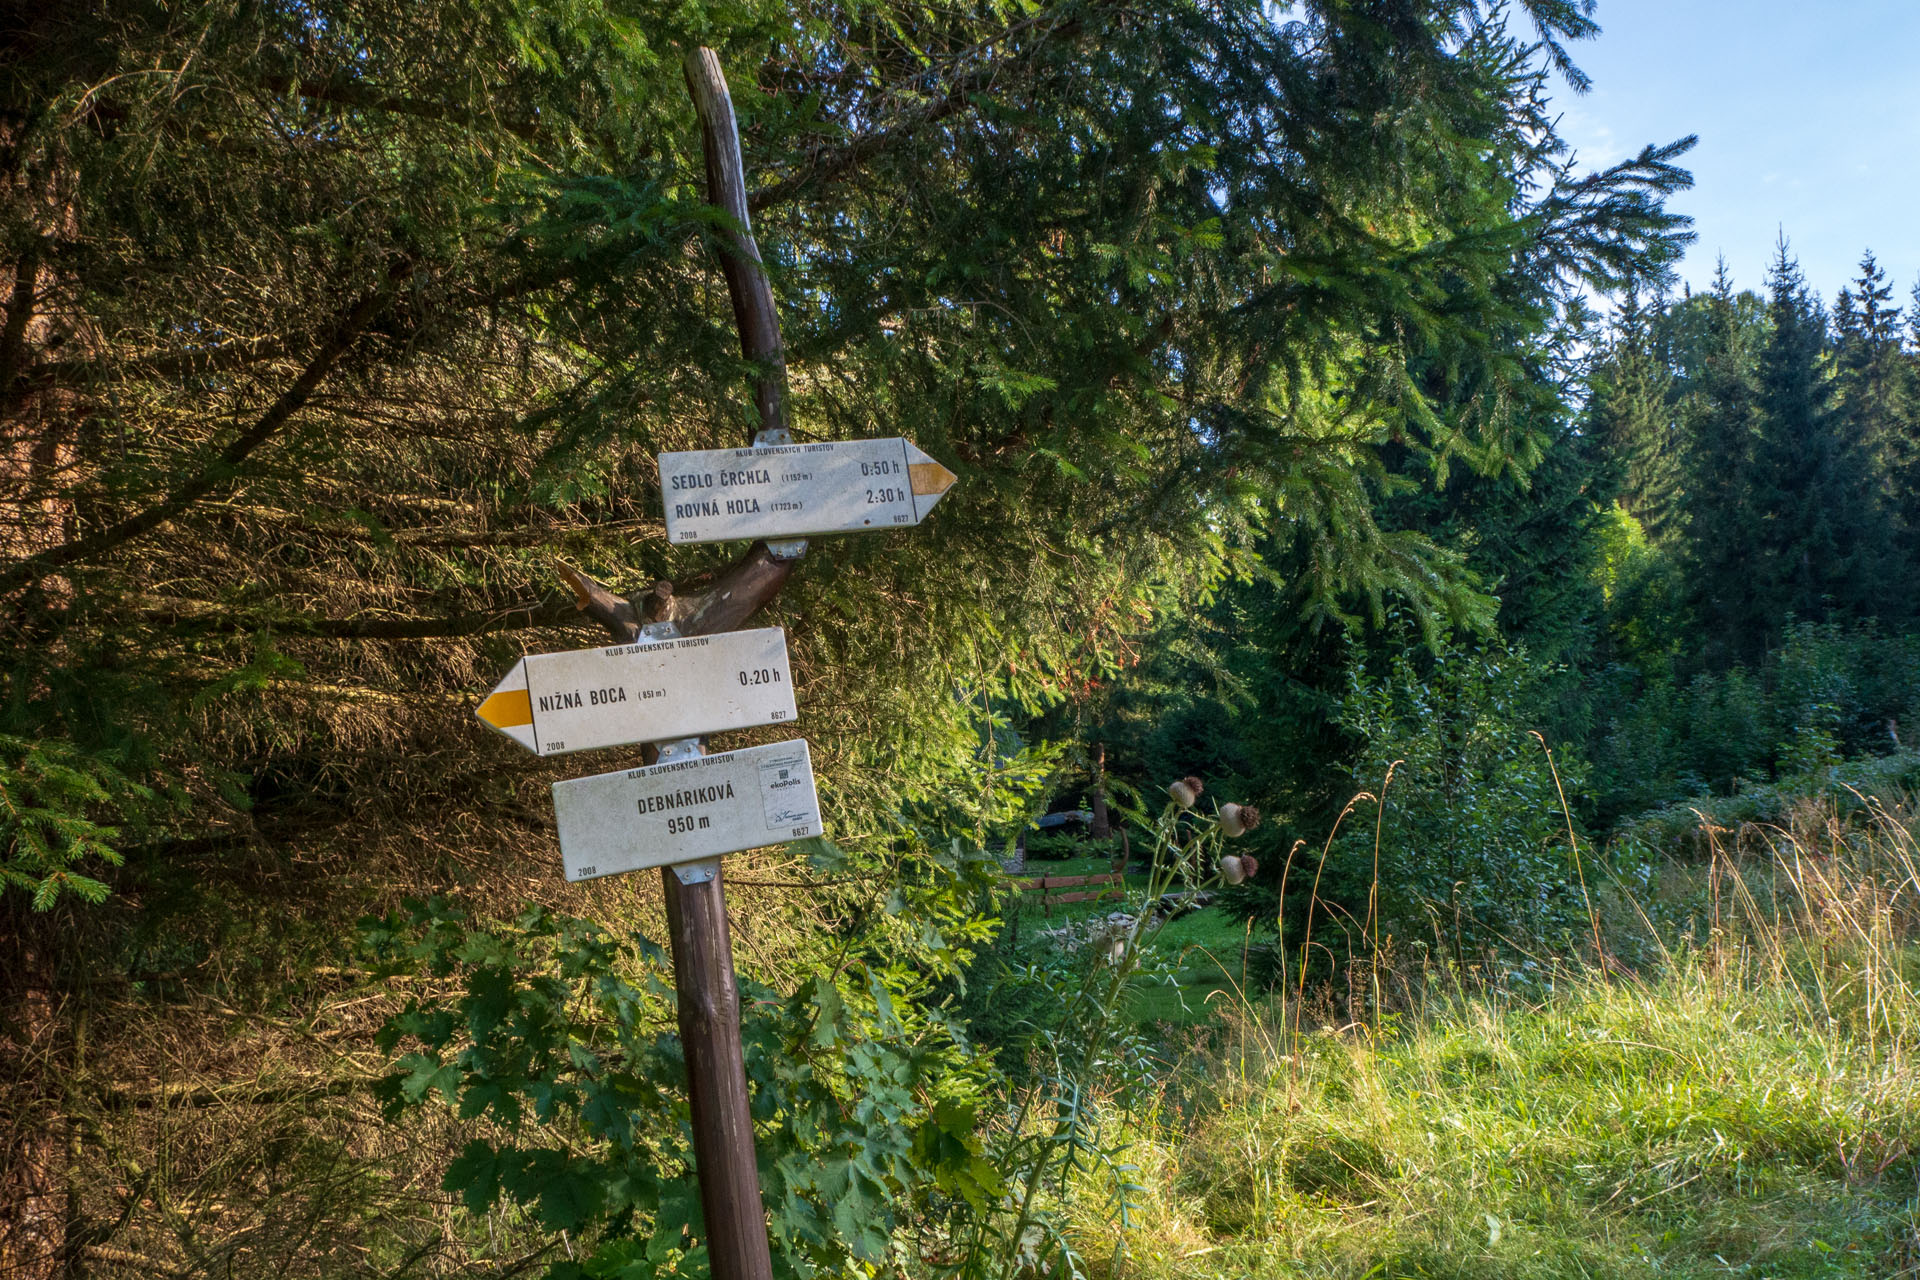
1809, 122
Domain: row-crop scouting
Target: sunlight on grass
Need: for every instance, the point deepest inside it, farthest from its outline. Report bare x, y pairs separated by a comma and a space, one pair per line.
1752, 1110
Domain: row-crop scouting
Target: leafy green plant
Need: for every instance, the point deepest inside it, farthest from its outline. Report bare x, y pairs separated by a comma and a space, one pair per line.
52, 794
559, 1044
1472, 839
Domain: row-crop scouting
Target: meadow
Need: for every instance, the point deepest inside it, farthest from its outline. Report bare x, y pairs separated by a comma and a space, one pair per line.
1730, 1090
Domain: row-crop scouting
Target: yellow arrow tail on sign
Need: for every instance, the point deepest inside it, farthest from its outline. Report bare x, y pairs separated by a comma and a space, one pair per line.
507, 709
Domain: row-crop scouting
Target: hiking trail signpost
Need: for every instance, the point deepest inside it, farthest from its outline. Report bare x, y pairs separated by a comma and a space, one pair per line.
678, 669
798, 490
552, 703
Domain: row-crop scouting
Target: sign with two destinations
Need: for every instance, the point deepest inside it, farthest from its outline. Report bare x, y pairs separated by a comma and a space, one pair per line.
690, 809
799, 490
551, 703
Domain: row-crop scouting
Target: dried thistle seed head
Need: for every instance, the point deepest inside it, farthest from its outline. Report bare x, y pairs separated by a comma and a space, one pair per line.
1250, 865
1238, 819
1185, 791
1233, 869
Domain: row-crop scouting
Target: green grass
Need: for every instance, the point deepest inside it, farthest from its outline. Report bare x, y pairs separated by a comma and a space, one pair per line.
1747, 1104
1209, 944
1699, 1127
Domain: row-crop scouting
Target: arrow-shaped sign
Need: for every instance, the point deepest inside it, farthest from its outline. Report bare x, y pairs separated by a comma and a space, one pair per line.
687, 810
799, 490
553, 703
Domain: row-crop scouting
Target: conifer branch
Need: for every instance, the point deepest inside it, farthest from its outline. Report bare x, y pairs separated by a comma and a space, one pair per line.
367, 97
828, 164
552, 611
18, 387
224, 472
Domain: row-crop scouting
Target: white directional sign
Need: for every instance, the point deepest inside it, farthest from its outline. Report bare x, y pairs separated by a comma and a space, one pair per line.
798, 490
553, 703
690, 809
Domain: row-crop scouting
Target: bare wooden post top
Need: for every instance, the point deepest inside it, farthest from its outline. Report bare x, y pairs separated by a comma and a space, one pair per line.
753, 309
757, 576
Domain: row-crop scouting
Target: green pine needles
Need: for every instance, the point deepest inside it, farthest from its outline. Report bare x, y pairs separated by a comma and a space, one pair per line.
55, 840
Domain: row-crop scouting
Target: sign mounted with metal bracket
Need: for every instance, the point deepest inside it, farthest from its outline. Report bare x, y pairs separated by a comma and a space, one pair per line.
552, 703
695, 807
799, 490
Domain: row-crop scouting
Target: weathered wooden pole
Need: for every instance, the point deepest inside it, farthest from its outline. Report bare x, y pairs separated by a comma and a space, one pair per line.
709, 1003
747, 285
708, 994
703, 977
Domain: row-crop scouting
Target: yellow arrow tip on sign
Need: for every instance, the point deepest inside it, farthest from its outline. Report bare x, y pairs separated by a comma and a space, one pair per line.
507, 709
930, 479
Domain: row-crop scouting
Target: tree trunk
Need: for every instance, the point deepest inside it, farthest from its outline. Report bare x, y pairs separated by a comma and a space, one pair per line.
40, 427
38, 435
1101, 829
33, 1199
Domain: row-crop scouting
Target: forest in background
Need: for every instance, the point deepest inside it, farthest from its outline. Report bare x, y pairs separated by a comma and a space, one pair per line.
1289, 447
1702, 592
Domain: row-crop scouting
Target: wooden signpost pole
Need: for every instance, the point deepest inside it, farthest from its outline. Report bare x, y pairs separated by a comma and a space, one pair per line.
782, 493
708, 994
709, 1003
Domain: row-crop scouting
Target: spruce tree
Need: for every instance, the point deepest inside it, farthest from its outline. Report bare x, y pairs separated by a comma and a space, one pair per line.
1873, 419
1630, 416
1720, 414
1801, 544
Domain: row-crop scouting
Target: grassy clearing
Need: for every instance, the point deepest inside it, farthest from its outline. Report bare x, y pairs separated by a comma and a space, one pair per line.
1210, 946
1751, 1110
1703, 1126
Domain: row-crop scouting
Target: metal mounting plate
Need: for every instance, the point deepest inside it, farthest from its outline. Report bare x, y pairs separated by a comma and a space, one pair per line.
782, 548
700, 872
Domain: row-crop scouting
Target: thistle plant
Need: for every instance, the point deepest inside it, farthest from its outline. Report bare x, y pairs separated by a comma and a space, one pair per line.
1096, 1060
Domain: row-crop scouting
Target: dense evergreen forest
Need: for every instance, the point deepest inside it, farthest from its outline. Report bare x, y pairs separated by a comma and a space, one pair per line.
1697, 592
1325, 431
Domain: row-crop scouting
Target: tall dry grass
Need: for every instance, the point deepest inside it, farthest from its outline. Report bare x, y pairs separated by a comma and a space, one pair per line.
1727, 1088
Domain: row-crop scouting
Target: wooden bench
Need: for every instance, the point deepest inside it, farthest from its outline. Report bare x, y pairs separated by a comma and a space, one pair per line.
1092, 888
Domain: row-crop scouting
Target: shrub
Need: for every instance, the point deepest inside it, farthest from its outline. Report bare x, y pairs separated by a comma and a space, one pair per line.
1473, 838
